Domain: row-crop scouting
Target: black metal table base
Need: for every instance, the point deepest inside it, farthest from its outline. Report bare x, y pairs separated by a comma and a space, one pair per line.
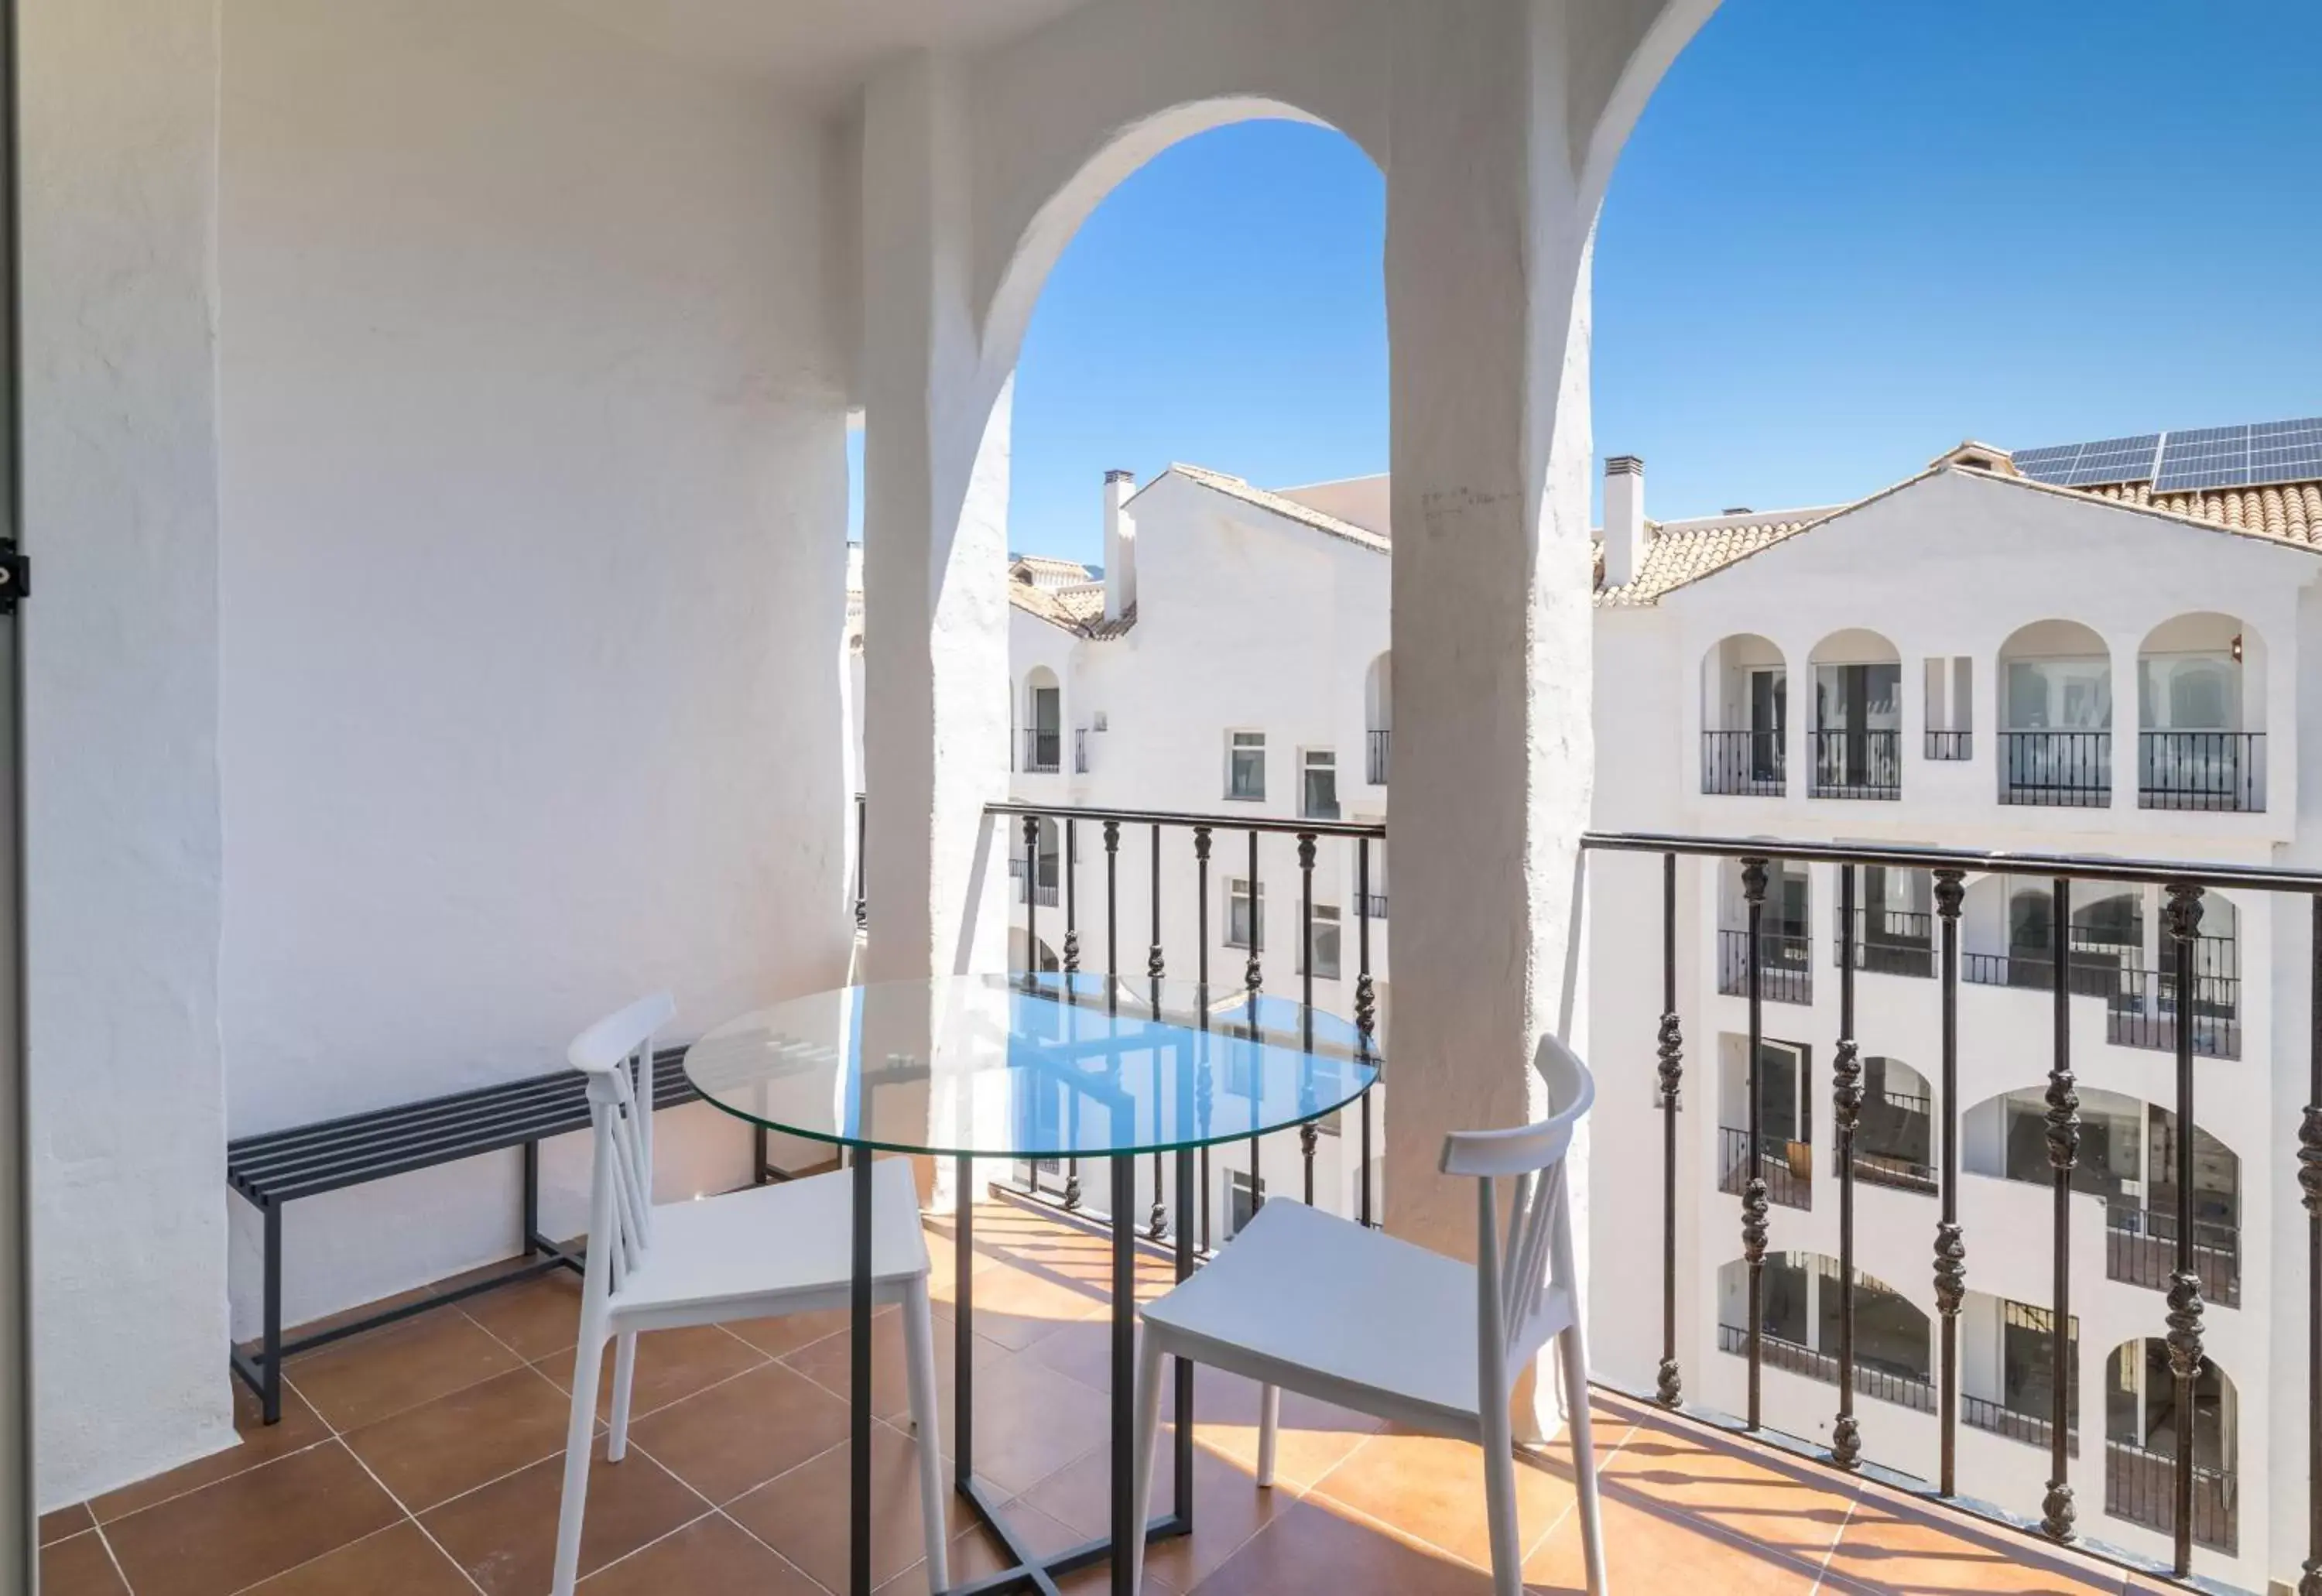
1027, 1569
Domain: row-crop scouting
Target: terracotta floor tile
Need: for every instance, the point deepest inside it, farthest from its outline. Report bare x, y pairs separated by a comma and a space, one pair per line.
383, 1372
803, 1514
1646, 1549
975, 1552
829, 1363
712, 1556
361, 1310
1885, 1547
398, 1561
251, 1526
1229, 1509
735, 1437
786, 1333
1029, 1422
1313, 1551
1431, 1490
79, 1565
505, 1535
434, 1452
670, 1364
1015, 1306
301, 1427
534, 1318
66, 1521
1315, 1438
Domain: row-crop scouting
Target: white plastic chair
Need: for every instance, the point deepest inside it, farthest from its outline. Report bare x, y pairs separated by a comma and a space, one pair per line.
1354, 1316
776, 1249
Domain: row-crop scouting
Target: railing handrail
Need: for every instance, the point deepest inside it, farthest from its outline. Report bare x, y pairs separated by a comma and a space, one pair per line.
2263, 878
1373, 829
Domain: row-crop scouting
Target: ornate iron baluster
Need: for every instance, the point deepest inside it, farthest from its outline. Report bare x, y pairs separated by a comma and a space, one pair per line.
1672, 1078
1846, 1098
1950, 1248
1366, 1005
862, 827
1203, 1089
1309, 1132
1754, 1189
2063, 1151
1157, 1223
1072, 968
2183, 917
1111, 903
1253, 977
1031, 899
2310, 1184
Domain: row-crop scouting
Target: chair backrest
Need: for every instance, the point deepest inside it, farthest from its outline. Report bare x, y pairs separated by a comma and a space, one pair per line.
616, 1055
1516, 1272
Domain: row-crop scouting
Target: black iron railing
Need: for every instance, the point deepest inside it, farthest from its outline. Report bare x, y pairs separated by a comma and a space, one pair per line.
1379, 905
1785, 965
1380, 736
1042, 750
1891, 941
1857, 764
1740, 763
2147, 1488
861, 831
1889, 1385
1149, 834
2071, 769
1951, 745
1786, 1166
2200, 769
2140, 1249
1080, 751
2164, 1489
2140, 1006
2034, 1430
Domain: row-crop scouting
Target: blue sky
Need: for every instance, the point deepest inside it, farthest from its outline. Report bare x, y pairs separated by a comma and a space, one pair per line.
1844, 236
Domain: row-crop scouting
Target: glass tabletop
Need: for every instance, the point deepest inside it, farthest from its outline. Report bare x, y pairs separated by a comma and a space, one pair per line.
998, 1066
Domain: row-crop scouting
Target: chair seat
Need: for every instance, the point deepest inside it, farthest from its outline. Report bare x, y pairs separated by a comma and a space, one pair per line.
794, 1235
1388, 1327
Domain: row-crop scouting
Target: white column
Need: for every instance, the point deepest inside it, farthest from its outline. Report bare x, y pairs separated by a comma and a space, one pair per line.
2127, 719
933, 547
1487, 289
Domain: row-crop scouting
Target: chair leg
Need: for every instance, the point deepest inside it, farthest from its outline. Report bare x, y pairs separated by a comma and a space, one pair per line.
1269, 1430
1149, 1436
1500, 1499
1572, 1352
624, 1368
920, 1349
578, 1435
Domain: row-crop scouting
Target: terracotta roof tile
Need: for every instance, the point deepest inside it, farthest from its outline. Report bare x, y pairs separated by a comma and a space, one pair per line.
1288, 508
1681, 551
2292, 511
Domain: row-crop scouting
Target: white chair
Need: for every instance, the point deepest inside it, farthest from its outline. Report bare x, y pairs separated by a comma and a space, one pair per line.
783, 1248
1350, 1316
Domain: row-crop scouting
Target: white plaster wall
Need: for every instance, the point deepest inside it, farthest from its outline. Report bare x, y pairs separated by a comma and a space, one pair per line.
120, 298
531, 582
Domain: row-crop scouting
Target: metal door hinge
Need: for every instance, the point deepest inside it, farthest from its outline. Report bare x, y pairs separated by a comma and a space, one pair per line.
15, 575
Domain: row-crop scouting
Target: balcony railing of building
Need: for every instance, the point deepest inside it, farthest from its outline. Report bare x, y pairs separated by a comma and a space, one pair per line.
1080, 751
1891, 941
1045, 895
1951, 745
2200, 769
1914, 1391
1893, 1116
1784, 966
2166, 1490
1857, 764
2034, 1430
1741, 762
1043, 749
1380, 737
1786, 1167
1231, 915
2141, 1006
2140, 1249
2071, 769
2147, 1488
1378, 901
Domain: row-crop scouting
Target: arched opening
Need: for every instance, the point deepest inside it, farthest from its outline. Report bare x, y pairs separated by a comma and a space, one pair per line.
2148, 1416
2200, 715
1799, 1328
1894, 929
1857, 725
1894, 1134
1043, 889
2055, 709
2126, 1155
1043, 711
1745, 695
1784, 950
1378, 716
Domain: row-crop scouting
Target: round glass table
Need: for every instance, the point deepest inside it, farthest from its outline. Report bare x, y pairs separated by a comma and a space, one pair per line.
1039, 1067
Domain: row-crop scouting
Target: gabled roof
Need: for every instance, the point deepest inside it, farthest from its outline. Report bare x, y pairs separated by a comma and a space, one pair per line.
1077, 609
1678, 552
1290, 509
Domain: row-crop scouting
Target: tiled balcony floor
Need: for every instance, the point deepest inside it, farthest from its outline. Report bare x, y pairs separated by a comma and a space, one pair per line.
423, 1459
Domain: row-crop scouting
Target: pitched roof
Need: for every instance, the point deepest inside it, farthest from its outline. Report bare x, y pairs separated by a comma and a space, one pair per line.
1681, 552
1077, 607
1288, 508
2292, 511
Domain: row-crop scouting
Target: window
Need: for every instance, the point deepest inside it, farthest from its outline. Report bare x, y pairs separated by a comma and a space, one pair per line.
2059, 694
1244, 914
1243, 1196
1327, 921
1950, 696
1245, 765
1318, 792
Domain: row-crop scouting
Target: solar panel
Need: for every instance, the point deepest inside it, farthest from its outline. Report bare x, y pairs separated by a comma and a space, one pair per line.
2088, 465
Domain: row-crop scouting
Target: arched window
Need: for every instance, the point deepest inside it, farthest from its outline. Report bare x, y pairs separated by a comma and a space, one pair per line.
2055, 708
1857, 728
2200, 716
1745, 712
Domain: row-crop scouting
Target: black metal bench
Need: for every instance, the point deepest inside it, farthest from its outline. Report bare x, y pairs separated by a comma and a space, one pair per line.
272, 1171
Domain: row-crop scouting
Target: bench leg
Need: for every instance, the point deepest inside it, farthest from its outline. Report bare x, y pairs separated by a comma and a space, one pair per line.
270, 1396
531, 1197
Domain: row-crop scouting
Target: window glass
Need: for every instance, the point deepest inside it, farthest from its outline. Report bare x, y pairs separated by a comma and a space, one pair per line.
1240, 914
1327, 926
1245, 765
1319, 793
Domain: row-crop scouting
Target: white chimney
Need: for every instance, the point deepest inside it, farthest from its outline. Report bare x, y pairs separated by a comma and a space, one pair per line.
1120, 545
1624, 519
